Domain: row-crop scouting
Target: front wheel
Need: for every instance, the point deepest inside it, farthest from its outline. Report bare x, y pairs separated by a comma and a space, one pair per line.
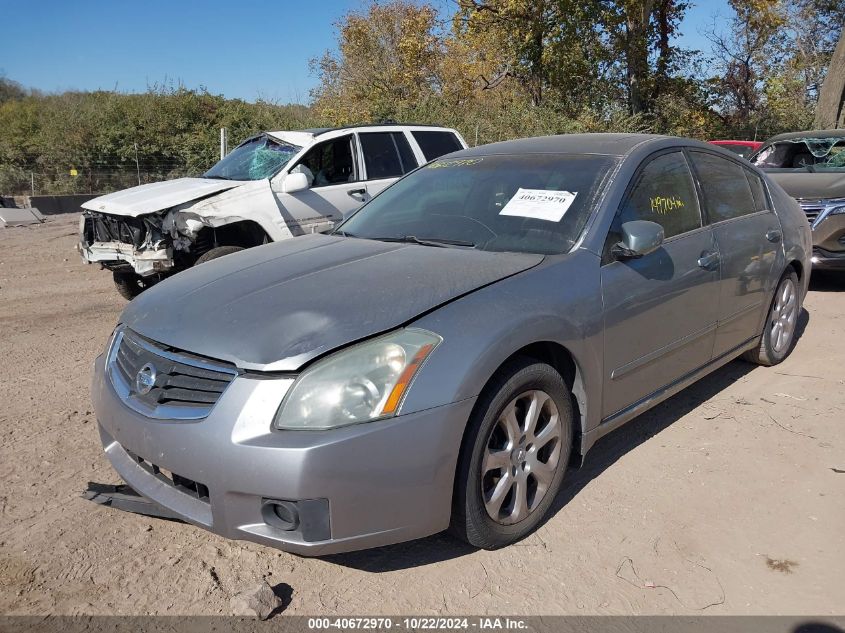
514, 456
129, 285
779, 332
216, 252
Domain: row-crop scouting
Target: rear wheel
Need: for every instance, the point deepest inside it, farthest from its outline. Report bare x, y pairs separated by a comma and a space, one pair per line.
129, 285
779, 332
514, 455
216, 252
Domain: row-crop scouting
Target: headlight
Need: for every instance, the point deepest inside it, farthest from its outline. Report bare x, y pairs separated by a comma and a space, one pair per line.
838, 211
362, 383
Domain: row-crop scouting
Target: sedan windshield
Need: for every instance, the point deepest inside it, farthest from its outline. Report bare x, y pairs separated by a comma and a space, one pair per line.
256, 159
809, 154
527, 203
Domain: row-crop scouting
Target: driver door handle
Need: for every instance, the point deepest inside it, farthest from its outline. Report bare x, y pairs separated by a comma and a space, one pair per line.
356, 192
709, 260
774, 236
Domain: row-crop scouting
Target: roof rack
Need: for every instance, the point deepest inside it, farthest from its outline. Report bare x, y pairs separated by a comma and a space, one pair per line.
317, 131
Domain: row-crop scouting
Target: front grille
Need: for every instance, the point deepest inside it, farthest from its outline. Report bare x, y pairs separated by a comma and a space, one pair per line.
99, 227
182, 484
812, 212
164, 383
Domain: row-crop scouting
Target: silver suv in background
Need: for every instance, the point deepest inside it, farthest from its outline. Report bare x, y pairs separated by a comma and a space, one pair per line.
271, 187
810, 166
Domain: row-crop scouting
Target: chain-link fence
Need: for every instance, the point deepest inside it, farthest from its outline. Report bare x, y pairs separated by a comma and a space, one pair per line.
102, 179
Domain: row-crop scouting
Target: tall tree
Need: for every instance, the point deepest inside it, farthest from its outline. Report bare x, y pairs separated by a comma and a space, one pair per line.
830, 111
387, 58
744, 54
637, 15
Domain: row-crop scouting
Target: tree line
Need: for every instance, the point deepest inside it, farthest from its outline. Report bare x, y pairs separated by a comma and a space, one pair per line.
493, 69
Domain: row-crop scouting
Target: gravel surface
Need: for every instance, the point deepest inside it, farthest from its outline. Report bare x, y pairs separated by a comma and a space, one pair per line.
727, 499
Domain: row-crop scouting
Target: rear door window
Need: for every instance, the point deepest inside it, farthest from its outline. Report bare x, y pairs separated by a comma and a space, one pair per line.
435, 144
386, 154
725, 187
663, 192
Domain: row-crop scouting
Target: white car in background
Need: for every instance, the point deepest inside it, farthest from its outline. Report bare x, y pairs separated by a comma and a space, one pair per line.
271, 187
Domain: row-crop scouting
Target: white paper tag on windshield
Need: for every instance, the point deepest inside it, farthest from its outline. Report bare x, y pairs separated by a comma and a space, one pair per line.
540, 204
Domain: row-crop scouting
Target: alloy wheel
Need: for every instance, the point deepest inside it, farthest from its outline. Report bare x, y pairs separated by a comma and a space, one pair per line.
521, 456
784, 315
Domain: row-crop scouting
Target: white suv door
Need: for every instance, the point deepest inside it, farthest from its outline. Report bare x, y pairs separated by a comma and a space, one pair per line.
336, 187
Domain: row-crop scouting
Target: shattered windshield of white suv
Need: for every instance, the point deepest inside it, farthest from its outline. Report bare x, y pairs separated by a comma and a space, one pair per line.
255, 159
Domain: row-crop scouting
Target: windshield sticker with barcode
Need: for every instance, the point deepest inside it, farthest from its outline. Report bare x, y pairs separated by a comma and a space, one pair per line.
539, 204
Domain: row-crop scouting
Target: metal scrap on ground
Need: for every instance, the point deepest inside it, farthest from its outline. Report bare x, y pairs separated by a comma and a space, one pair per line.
20, 217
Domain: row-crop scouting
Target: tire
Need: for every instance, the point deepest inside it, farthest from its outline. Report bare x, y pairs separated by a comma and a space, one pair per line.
129, 285
778, 337
485, 511
216, 252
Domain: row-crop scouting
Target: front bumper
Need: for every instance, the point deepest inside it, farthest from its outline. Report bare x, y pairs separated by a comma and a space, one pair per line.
828, 260
829, 242
145, 262
117, 242
378, 483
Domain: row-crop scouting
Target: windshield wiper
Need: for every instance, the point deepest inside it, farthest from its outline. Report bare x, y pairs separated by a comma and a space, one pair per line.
439, 242
216, 177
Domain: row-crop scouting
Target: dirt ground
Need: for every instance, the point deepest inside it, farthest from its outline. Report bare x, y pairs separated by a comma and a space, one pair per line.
727, 499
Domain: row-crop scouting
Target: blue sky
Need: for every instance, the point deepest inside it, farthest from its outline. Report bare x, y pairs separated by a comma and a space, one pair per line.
240, 48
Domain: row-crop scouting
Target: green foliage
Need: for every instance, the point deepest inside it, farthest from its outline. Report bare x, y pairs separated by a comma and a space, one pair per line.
495, 70
176, 131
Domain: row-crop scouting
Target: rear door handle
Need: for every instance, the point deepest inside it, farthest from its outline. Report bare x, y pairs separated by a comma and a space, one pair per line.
774, 236
709, 260
357, 192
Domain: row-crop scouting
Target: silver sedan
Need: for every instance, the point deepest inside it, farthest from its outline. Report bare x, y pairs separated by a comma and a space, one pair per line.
443, 356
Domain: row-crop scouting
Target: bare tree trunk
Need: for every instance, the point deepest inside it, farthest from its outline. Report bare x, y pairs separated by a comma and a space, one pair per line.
636, 52
661, 70
829, 110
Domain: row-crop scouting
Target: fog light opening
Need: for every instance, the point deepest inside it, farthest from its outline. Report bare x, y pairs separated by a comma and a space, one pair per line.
280, 514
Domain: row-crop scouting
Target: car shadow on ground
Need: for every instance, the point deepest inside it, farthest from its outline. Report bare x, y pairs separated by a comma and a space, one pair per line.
606, 452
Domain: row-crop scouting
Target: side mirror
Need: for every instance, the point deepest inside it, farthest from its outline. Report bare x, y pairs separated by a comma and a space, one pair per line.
639, 237
295, 182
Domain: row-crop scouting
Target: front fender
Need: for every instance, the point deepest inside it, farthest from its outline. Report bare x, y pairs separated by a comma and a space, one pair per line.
557, 302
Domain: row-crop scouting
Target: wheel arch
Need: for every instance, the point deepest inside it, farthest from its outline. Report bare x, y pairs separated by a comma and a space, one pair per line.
245, 233
564, 362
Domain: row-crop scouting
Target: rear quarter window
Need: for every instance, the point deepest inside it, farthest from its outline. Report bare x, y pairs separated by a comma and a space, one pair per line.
725, 187
758, 191
435, 144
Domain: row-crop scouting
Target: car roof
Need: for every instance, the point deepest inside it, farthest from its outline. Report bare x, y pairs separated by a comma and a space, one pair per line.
593, 143
317, 131
731, 142
790, 136
307, 136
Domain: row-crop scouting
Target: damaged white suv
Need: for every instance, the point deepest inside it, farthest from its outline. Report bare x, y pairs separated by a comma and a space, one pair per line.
271, 187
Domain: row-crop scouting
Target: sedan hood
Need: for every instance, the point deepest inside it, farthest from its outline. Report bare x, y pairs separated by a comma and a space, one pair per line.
276, 307
158, 196
803, 185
